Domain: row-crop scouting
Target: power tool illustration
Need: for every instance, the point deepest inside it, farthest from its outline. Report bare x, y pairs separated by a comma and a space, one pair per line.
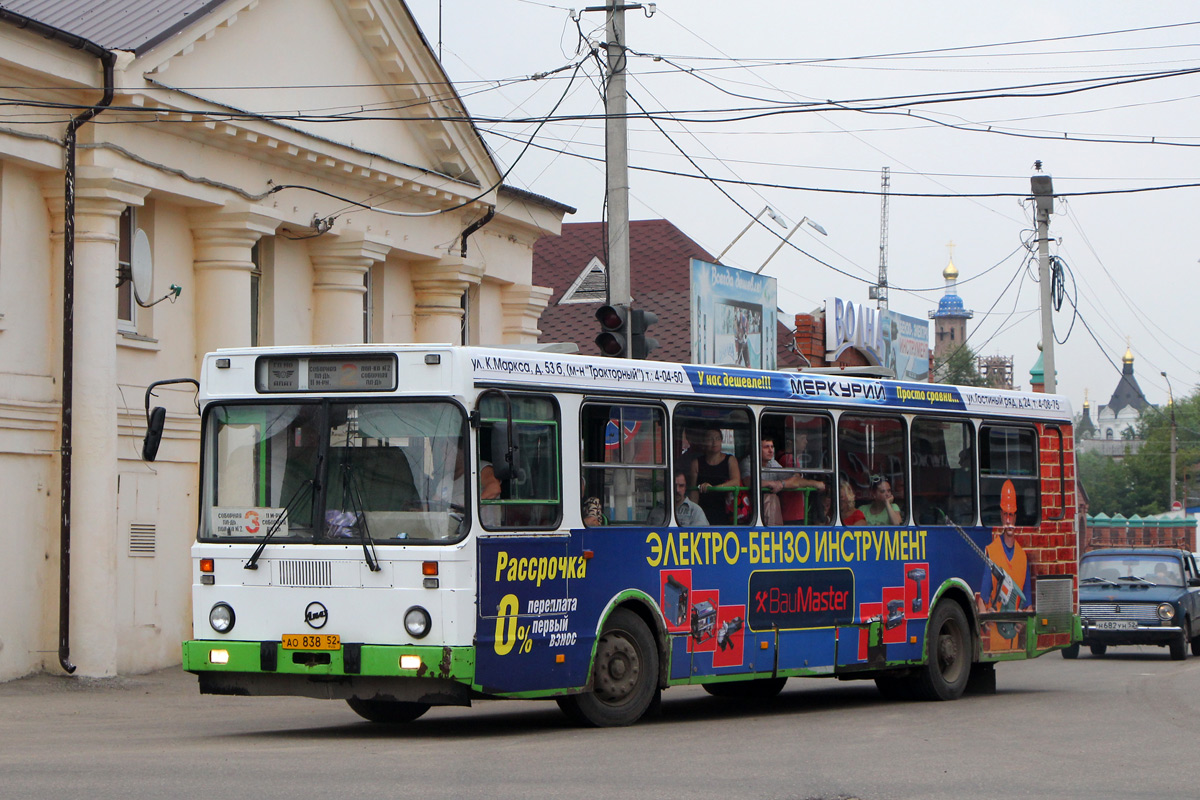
917, 575
675, 601
728, 629
895, 614
704, 620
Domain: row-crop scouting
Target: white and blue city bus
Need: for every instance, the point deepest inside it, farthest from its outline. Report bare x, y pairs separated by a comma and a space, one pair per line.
403, 526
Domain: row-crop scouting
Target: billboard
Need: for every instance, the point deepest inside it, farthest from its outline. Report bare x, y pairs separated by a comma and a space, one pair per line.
733, 316
885, 338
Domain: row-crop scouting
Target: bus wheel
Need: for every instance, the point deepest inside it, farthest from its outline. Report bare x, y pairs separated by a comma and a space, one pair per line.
948, 667
624, 677
762, 689
391, 712
1071, 651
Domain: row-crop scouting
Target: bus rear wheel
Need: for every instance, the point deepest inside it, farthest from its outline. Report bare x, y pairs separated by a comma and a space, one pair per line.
624, 675
391, 712
948, 665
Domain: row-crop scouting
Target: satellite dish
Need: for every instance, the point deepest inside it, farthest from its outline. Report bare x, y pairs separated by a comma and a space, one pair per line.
141, 268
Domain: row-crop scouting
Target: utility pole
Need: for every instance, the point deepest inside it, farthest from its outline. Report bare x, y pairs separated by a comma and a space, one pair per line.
1043, 199
1174, 442
617, 161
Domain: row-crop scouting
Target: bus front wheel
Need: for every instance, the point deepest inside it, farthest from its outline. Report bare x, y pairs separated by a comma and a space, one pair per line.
948, 664
624, 676
393, 712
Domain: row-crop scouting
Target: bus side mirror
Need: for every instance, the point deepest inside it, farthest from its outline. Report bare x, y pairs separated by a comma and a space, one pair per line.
155, 422
504, 465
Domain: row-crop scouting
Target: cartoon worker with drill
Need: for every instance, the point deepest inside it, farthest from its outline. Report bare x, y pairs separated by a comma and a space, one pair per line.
1010, 592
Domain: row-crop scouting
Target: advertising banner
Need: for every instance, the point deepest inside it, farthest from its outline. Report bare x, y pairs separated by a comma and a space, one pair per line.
733, 316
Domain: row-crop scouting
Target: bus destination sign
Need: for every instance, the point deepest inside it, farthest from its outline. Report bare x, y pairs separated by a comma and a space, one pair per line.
327, 374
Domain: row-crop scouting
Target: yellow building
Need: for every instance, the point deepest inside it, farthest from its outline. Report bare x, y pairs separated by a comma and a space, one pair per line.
303, 172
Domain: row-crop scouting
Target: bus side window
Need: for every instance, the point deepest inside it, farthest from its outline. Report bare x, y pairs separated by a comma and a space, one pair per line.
624, 465
531, 497
719, 437
1058, 496
871, 456
1009, 453
943, 470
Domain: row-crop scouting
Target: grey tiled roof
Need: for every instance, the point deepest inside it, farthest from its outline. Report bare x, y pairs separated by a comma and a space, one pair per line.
135, 25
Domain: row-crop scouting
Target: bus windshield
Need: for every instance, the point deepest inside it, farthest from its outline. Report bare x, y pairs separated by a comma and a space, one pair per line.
388, 472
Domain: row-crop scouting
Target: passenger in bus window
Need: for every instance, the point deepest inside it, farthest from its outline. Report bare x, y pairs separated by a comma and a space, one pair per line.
850, 514
715, 469
882, 510
774, 479
590, 507
489, 489
687, 513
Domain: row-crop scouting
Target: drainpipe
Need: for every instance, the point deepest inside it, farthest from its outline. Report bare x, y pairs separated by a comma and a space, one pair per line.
476, 225
108, 59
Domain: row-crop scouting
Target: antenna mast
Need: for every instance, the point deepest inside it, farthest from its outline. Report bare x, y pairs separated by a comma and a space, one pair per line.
879, 290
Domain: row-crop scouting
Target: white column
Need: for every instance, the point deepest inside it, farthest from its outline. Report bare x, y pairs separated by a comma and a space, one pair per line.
95, 541
522, 306
340, 265
223, 239
439, 288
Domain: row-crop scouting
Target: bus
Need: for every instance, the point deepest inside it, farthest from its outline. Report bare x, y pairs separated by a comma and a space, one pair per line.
404, 526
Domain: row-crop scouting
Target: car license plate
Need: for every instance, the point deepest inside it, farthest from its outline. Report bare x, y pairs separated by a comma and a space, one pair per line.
1116, 625
312, 641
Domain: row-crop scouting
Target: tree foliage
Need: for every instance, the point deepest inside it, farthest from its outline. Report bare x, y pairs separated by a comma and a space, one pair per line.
1140, 483
960, 369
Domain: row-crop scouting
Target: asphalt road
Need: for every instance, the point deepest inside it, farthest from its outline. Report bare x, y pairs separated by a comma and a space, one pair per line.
1123, 726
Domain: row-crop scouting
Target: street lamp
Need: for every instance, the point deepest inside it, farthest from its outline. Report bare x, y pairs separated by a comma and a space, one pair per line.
812, 223
775, 215
1171, 402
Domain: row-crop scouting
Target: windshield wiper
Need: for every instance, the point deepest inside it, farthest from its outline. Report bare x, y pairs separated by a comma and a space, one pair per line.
292, 502
1098, 580
351, 492
1136, 578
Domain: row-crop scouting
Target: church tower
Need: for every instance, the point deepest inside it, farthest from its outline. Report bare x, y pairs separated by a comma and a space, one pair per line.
950, 318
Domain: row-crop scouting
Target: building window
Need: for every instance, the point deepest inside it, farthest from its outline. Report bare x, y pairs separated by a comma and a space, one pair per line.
368, 306
126, 306
255, 292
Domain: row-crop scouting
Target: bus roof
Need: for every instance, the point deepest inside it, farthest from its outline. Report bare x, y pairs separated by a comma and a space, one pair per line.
496, 366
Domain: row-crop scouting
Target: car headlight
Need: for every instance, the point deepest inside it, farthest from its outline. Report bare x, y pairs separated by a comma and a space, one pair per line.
221, 618
417, 622
1166, 611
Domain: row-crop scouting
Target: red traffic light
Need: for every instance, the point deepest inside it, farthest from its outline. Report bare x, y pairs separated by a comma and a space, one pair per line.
614, 330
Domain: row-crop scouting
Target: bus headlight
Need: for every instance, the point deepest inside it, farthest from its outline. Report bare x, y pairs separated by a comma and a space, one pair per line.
1165, 611
417, 622
221, 618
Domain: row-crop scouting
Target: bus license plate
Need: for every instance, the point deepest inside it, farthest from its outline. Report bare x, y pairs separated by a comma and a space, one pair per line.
312, 641
1116, 625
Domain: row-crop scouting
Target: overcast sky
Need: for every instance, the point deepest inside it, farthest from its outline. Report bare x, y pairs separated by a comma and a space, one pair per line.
731, 85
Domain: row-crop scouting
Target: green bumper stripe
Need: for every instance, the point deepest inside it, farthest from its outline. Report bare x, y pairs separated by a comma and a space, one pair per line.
453, 663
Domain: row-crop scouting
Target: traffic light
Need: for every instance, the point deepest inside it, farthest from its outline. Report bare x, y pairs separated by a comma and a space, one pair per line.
614, 330
639, 321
